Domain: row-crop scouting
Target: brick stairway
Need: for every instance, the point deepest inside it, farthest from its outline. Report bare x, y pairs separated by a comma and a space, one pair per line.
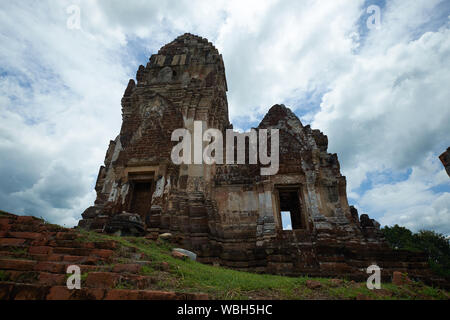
34, 257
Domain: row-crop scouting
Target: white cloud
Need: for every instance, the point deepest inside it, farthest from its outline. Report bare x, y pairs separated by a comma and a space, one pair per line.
412, 202
389, 112
284, 49
61, 94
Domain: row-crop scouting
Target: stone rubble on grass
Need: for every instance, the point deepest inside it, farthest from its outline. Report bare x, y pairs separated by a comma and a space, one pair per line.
312, 284
399, 278
177, 252
165, 236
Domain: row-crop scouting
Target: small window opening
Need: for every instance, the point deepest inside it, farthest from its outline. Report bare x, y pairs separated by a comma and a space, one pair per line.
290, 210
286, 220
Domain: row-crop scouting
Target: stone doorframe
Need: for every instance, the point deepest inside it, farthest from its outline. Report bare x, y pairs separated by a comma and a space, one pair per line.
140, 174
299, 188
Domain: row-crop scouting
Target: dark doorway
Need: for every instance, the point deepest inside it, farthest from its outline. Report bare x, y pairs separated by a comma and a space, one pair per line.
142, 198
290, 208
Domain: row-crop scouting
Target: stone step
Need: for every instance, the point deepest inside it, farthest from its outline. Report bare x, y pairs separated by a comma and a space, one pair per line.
60, 267
34, 257
66, 258
111, 280
100, 253
22, 235
27, 224
17, 291
17, 264
106, 245
20, 276
122, 260
13, 252
12, 242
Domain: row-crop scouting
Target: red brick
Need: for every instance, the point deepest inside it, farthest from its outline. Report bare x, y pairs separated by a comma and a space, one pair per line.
103, 253
15, 264
88, 245
26, 235
5, 224
192, 296
121, 294
22, 276
361, 296
55, 257
72, 251
26, 220
46, 257
51, 279
65, 236
102, 279
43, 242
110, 244
5, 242
130, 268
93, 268
38, 256
29, 292
164, 266
59, 293
179, 255
158, 295
399, 278
40, 250
74, 259
312, 284
63, 293
81, 260
336, 282
94, 293
93, 260
5, 289
140, 282
53, 267
199, 296
85, 260
65, 244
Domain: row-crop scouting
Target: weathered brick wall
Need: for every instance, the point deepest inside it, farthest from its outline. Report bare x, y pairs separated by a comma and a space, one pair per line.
230, 214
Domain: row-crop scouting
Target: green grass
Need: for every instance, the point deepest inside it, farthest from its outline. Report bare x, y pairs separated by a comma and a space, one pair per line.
147, 270
224, 283
4, 276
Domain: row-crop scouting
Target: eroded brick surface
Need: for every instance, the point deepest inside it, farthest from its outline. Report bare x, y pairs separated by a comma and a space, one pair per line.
34, 272
227, 214
230, 214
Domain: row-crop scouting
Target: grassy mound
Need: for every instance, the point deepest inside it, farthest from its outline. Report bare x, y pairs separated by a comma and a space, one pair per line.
224, 283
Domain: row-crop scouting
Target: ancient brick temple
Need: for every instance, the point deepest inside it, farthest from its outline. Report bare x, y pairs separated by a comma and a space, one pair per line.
445, 159
231, 214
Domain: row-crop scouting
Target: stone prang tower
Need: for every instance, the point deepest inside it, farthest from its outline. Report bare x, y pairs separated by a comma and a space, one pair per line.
229, 213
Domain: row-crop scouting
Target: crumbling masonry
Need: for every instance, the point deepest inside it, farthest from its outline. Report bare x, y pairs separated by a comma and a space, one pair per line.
230, 214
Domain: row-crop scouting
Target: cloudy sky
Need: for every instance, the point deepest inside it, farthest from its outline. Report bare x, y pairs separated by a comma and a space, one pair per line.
380, 91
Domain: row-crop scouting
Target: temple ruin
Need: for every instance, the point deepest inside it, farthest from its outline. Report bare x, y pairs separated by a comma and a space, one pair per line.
230, 214
445, 159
